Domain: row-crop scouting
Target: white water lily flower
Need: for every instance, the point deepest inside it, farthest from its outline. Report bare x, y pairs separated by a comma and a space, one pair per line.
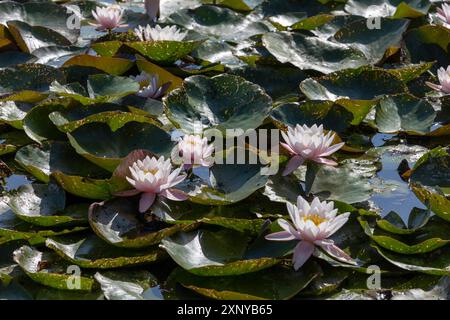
308, 143
108, 18
154, 177
443, 13
195, 150
444, 81
313, 224
169, 33
150, 87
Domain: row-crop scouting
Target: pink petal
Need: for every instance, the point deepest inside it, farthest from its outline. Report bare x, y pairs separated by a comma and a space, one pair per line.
127, 193
280, 236
293, 164
146, 201
326, 161
332, 149
433, 86
303, 250
174, 194
287, 147
333, 250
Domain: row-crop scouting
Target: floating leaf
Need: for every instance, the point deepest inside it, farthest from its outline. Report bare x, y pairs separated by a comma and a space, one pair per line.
113, 66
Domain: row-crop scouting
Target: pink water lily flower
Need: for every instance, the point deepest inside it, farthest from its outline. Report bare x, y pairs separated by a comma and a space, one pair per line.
308, 143
154, 177
168, 33
108, 18
150, 87
313, 225
195, 150
444, 81
443, 13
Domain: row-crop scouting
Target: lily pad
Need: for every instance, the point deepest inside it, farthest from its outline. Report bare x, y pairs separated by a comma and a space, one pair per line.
222, 102
116, 145
307, 52
116, 221
433, 169
393, 223
92, 252
113, 66
388, 8
44, 268
404, 113
51, 157
437, 203
218, 253
277, 283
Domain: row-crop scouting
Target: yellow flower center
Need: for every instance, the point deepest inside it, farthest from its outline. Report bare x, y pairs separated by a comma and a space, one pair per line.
315, 218
152, 171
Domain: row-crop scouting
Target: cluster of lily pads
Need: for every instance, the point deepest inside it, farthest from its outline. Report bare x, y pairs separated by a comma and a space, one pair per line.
96, 99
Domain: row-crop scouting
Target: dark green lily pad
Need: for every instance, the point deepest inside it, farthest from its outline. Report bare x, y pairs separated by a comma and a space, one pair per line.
306, 52
164, 52
14, 228
214, 253
218, 22
227, 184
101, 89
222, 102
116, 221
393, 223
44, 268
277, 283
429, 43
92, 252
44, 205
437, 203
333, 116
36, 77
433, 169
372, 42
116, 145
13, 113
388, 8
113, 66
12, 140
404, 113
51, 157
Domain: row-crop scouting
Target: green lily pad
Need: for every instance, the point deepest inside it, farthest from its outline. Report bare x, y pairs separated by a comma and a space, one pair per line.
393, 223
227, 184
116, 145
101, 89
433, 169
397, 244
115, 116
404, 113
277, 283
107, 48
51, 157
44, 205
436, 262
312, 53
125, 286
388, 8
92, 252
437, 203
13, 228
372, 42
36, 77
13, 113
44, 268
356, 89
44, 14
12, 140
411, 71
164, 51
222, 102
116, 221
218, 22
112, 66
428, 43
31, 38
214, 253
333, 116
